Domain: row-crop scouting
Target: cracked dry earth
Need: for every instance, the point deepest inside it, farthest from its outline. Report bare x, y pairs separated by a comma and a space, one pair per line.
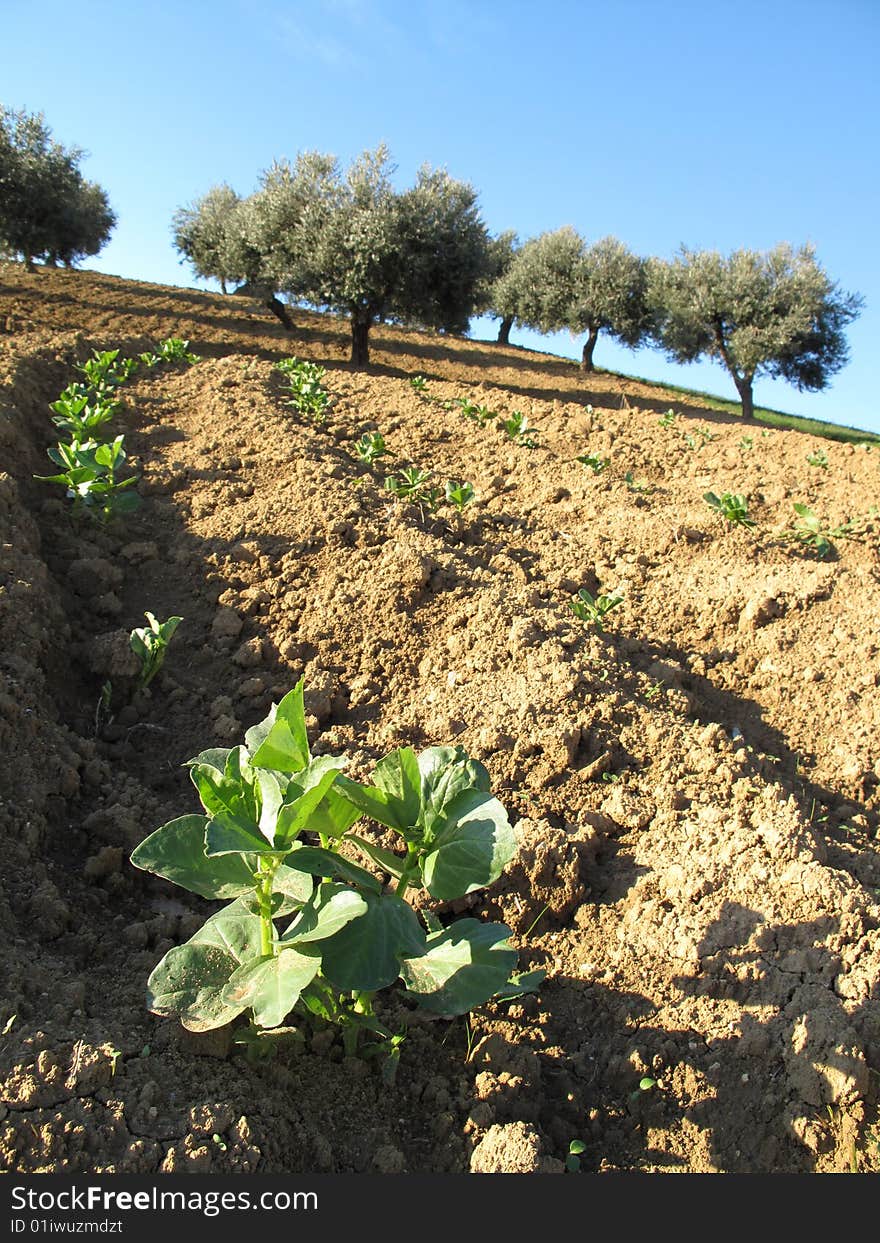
695, 790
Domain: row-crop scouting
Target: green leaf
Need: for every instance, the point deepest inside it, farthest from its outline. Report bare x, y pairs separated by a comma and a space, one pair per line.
385, 859
399, 776
285, 745
228, 835
373, 802
334, 815
176, 851
271, 986
366, 953
320, 862
295, 889
471, 849
447, 772
462, 967
331, 908
521, 983
222, 794
305, 792
191, 979
214, 757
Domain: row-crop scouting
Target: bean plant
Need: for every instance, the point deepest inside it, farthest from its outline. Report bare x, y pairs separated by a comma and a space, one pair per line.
80, 413
90, 472
819, 458
810, 530
149, 644
306, 931
593, 463
589, 608
518, 429
370, 447
731, 507
460, 495
472, 410
307, 395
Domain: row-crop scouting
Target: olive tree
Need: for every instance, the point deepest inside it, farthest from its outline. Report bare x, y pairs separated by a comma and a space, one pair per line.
47, 209
349, 242
556, 281
204, 234
773, 313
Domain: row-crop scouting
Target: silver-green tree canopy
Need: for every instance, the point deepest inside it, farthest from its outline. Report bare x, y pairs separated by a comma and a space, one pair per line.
362, 248
47, 209
557, 281
350, 242
204, 234
773, 313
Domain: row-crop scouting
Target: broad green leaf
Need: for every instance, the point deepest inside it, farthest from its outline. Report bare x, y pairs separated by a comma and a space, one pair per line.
296, 814
462, 967
473, 845
521, 983
190, 980
385, 859
271, 986
334, 815
375, 803
331, 908
399, 776
271, 798
286, 746
214, 757
366, 953
295, 888
227, 835
320, 862
447, 772
177, 852
223, 795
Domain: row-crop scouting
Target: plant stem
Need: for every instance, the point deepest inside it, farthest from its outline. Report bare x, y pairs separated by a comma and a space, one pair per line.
403, 883
266, 873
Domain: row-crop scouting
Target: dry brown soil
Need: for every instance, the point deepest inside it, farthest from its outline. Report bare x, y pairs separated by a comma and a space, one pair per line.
695, 789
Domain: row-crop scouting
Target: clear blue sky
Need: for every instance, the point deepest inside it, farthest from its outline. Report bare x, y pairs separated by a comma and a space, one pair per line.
715, 125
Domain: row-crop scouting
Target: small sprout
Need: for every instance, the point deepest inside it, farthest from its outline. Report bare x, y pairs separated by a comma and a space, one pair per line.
595, 464
8, 1025
89, 472
419, 383
218, 1140
477, 413
730, 506
176, 350
589, 608
746, 443
647, 1083
518, 429
573, 1160
370, 447
459, 494
668, 419
811, 530
637, 485
706, 436
115, 1055
306, 393
150, 643
653, 692
819, 458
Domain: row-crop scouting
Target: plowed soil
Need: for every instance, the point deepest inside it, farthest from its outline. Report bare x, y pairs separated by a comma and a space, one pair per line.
695, 789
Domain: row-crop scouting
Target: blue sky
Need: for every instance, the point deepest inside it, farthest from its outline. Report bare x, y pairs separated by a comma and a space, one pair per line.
715, 125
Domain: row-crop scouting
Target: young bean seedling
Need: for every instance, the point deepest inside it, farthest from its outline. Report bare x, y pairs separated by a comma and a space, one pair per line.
731, 507
477, 413
370, 447
518, 429
149, 644
306, 393
593, 463
419, 384
459, 494
819, 458
668, 419
812, 531
90, 474
308, 933
589, 608
637, 485
176, 350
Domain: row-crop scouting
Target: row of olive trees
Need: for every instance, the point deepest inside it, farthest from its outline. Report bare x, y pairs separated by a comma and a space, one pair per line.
775, 314
349, 242
48, 210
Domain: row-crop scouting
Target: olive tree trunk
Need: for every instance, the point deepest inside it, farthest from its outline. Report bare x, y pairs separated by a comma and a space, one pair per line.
504, 330
589, 346
360, 342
